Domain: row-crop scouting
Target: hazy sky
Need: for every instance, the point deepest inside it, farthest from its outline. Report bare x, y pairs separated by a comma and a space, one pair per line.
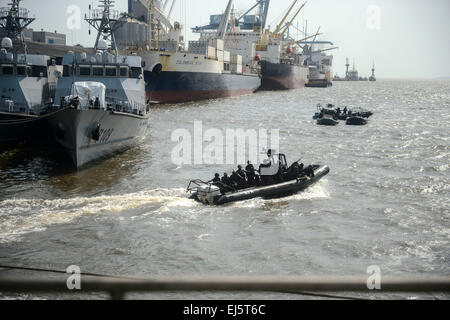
411, 40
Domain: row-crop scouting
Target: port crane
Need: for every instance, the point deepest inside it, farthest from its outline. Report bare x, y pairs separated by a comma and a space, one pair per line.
160, 16
223, 27
245, 21
282, 28
264, 9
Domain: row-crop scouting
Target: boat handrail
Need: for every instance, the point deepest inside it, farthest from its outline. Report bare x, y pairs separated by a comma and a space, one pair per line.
197, 183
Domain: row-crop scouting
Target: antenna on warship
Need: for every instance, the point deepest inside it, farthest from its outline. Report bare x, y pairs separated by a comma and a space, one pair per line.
106, 22
14, 20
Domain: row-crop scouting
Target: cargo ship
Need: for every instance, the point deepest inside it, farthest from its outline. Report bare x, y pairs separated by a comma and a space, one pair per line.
280, 62
282, 76
173, 74
185, 76
320, 65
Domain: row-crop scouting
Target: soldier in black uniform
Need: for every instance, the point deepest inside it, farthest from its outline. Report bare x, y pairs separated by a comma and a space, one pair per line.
241, 172
216, 178
226, 179
250, 170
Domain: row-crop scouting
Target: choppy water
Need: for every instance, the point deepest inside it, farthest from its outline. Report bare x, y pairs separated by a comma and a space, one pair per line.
385, 201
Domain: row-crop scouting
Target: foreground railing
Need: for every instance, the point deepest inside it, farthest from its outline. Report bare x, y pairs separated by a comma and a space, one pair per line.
119, 287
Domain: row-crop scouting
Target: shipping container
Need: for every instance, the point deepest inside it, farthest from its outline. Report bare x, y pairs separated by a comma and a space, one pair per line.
236, 59
216, 43
219, 54
211, 52
226, 56
236, 68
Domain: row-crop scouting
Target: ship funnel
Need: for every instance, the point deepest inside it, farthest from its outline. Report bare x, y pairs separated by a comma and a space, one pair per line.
7, 43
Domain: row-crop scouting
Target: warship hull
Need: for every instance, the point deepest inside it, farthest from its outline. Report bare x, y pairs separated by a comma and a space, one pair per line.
87, 135
16, 128
279, 76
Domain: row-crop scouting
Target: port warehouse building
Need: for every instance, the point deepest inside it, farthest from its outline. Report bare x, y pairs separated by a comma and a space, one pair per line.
42, 36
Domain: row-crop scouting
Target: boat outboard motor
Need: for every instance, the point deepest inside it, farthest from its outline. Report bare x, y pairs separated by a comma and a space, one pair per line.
207, 193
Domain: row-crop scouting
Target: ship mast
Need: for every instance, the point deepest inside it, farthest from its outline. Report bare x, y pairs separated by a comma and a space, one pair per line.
14, 20
106, 22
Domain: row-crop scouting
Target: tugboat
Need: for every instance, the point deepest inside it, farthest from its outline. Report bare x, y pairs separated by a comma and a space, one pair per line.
27, 81
102, 98
275, 180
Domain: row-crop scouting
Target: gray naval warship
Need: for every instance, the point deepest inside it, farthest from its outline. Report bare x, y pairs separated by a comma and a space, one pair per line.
101, 96
27, 81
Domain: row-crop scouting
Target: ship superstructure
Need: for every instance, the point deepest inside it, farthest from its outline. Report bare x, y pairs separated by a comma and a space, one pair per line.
101, 97
27, 81
243, 32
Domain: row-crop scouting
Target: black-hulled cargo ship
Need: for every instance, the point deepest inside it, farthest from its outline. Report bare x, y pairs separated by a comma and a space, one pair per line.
190, 82
173, 74
280, 76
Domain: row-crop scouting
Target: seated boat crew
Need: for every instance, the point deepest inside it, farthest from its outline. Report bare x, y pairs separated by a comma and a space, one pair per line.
274, 179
